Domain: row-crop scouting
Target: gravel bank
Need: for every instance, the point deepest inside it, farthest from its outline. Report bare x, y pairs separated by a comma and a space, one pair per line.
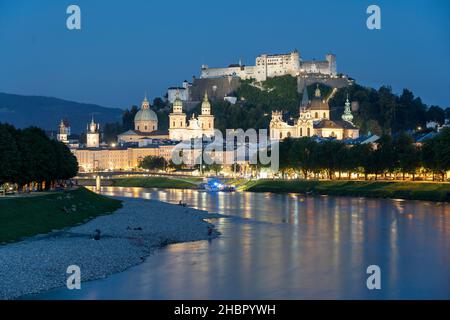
127, 237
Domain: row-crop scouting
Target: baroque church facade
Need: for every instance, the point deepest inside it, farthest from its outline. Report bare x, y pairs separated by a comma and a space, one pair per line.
146, 123
314, 120
180, 129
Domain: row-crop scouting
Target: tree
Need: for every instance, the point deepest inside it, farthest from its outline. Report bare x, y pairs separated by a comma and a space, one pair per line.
9, 154
436, 114
301, 155
128, 118
153, 163
360, 158
408, 158
436, 153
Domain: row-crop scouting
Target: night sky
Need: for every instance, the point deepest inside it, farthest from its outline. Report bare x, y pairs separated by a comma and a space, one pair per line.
128, 47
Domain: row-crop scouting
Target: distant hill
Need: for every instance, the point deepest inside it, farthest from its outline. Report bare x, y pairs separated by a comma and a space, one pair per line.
46, 112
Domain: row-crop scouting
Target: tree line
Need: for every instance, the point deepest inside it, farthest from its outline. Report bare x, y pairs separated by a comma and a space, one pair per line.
392, 157
29, 156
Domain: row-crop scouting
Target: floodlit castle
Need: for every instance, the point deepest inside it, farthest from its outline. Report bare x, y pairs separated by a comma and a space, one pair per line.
181, 130
314, 120
274, 65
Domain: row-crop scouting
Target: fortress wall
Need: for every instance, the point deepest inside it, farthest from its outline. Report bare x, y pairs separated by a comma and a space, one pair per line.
224, 86
332, 82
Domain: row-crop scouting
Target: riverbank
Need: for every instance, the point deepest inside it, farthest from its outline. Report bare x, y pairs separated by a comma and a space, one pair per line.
127, 237
158, 182
439, 192
27, 216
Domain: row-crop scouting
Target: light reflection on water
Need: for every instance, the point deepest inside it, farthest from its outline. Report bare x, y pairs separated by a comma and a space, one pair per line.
293, 247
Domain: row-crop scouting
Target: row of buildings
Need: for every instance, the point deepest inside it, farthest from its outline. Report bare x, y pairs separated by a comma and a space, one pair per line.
147, 140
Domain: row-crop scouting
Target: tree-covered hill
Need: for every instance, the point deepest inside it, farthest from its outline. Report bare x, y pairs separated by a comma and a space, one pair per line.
380, 111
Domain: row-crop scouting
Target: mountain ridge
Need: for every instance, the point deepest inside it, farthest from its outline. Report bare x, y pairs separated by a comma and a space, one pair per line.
46, 112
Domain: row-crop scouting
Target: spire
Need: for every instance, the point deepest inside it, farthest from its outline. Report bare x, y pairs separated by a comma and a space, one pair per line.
205, 98
305, 97
347, 116
145, 103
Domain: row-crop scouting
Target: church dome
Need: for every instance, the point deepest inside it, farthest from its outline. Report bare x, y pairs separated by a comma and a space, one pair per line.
145, 115
317, 103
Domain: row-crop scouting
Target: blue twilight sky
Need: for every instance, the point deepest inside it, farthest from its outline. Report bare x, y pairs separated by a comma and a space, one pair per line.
128, 47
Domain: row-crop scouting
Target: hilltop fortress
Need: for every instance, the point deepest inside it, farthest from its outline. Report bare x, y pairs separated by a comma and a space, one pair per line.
274, 65
222, 82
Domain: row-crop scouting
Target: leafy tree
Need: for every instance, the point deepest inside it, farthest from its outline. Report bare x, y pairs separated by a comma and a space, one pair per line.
301, 155
9, 154
408, 157
437, 114
153, 163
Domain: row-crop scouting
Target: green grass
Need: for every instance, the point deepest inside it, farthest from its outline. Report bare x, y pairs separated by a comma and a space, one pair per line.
375, 189
158, 182
28, 216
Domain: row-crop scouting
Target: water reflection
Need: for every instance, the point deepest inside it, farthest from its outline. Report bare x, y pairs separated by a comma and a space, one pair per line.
291, 246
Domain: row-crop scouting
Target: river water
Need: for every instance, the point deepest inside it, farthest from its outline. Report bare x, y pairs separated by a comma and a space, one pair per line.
289, 246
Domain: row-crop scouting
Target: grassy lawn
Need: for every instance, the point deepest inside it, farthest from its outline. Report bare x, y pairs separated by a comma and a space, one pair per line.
158, 182
28, 216
375, 189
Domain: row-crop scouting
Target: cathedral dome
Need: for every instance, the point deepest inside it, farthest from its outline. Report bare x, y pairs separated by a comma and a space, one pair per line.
145, 115
317, 103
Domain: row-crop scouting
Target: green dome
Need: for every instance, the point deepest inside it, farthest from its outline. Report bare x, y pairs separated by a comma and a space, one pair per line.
145, 115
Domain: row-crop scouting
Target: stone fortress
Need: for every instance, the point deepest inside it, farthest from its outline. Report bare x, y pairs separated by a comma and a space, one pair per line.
274, 65
220, 83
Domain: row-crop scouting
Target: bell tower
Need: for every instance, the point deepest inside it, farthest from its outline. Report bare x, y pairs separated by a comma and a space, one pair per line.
206, 119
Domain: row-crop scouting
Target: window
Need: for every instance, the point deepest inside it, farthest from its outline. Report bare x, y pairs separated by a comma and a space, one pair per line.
324, 115
309, 132
281, 135
301, 132
316, 115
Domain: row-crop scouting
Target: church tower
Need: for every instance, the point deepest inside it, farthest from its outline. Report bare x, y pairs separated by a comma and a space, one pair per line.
93, 135
177, 120
347, 116
64, 132
206, 119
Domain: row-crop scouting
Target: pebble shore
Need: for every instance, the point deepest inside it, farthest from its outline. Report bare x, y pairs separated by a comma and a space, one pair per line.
127, 237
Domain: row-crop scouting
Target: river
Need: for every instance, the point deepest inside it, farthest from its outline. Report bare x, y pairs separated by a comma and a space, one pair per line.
289, 246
